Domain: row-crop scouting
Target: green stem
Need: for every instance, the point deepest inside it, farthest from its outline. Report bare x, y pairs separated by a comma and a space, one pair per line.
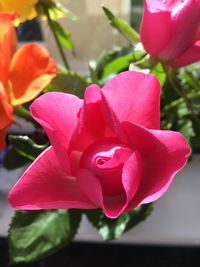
146, 63
185, 97
180, 101
170, 76
175, 84
62, 54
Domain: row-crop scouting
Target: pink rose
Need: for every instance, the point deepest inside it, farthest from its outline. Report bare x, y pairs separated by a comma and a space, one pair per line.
107, 151
170, 30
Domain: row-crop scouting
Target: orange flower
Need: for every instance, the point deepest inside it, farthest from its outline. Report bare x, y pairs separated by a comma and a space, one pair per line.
24, 8
23, 73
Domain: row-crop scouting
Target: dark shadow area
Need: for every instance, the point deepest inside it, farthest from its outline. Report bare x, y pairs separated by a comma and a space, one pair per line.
29, 31
107, 254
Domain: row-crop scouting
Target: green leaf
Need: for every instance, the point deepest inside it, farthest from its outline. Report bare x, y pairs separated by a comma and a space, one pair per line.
25, 146
110, 229
117, 65
13, 160
122, 26
108, 57
63, 36
36, 234
116, 60
68, 82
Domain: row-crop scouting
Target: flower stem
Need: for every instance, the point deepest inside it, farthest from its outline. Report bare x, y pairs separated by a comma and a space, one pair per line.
62, 54
177, 87
146, 63
180, 101
171, 78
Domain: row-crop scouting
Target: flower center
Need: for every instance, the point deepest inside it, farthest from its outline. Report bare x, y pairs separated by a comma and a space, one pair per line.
105, 159
100, 161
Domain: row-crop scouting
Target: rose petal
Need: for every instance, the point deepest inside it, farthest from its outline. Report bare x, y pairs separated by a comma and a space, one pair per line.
33, 63
131, 175
157, 5
135, 97
174, 157
91, 125
91, 187
97, 120
181, 39
155, 27
163, 154
110, 173
45, 186
189, 56
57, 113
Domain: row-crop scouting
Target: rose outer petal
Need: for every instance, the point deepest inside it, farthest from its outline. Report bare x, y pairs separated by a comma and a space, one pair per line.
173, 159
163, 154
181, 39
135, 97
191, 55
157, 5
57, 113
156, 27
46, 186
